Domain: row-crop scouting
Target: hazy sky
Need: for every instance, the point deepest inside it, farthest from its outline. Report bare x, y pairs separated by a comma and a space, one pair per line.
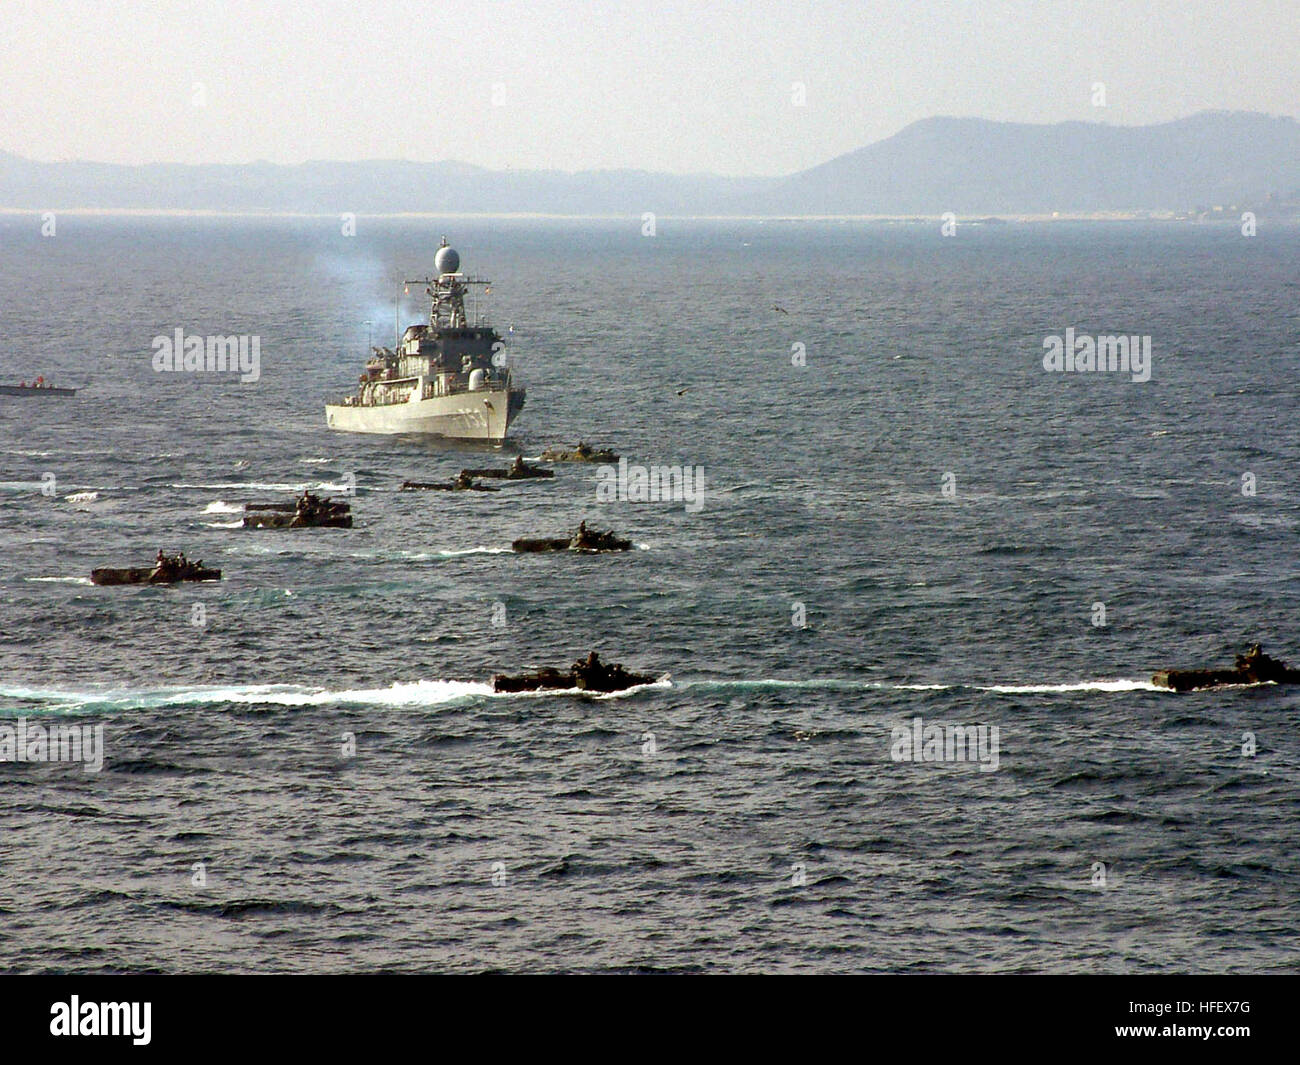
573, 84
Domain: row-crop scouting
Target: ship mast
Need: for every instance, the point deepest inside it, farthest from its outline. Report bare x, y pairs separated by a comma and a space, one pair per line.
447, 291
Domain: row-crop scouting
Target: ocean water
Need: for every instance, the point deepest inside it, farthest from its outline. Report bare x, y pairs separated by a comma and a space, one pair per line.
746, 814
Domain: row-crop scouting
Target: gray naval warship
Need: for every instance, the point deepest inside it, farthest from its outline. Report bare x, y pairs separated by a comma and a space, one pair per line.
447, 378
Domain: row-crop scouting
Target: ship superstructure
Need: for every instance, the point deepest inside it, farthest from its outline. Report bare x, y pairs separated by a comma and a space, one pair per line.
447, 378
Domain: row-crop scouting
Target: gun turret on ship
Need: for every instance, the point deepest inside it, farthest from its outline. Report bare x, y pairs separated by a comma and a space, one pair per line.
447, 378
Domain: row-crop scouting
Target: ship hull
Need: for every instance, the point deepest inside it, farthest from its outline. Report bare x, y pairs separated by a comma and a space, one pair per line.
485, 415
141, 575
41, 393
1190, 680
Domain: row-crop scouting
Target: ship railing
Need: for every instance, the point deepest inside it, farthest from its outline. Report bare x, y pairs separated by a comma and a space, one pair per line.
455, 384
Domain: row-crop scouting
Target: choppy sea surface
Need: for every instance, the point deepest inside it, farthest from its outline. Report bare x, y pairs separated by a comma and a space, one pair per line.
748, 813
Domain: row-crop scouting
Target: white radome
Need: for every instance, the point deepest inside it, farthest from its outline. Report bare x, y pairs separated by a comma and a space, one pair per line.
447, 260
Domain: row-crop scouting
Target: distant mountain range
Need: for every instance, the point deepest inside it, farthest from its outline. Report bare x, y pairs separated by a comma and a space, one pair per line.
965, 165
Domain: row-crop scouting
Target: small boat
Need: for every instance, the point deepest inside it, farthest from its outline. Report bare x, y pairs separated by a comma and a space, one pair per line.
167, 569
36, 389
584, 452
463, 482
586, 674
1254, 667
519, 470
276, 519
307, 512
584, 539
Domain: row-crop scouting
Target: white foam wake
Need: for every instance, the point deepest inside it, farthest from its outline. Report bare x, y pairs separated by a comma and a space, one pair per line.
1123, 685
1120, 685
425, 556
457, 552
665, 681
269, 486
419, 693
411, 694
1081, 686
220, 506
